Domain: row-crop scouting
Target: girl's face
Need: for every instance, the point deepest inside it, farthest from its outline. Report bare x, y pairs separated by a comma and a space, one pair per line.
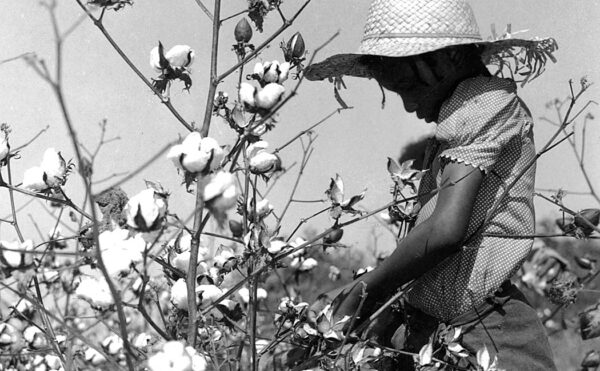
424, 82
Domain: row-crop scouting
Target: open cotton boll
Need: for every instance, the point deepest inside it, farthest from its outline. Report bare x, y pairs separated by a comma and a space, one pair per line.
33, 179
120, 251
175, 356
179, 294
269, 96
180, 56
208, 293
248, 94
220, 192
145, 210
94, 291
15, 254
4, 148
55, 167
196, 154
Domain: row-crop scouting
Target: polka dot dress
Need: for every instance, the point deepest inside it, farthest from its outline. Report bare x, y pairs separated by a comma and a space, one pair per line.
486, 125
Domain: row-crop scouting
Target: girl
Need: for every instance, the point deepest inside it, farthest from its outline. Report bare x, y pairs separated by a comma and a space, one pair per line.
460, 255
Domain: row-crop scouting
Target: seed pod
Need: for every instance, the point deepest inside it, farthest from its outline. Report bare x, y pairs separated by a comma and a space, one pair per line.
592, 216
295, 47
585, 263
243, 31
333, 236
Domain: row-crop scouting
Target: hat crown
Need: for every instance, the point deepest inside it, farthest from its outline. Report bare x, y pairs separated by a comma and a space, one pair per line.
426, 18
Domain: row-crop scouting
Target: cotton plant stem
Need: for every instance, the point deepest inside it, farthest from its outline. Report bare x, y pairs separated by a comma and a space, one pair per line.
214, 81
199, 221
164, 100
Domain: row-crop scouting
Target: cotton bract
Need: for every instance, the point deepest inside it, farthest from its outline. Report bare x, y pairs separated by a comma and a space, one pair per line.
146, 210
196, 154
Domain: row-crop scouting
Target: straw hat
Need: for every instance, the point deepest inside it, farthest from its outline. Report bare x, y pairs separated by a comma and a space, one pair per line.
402, 28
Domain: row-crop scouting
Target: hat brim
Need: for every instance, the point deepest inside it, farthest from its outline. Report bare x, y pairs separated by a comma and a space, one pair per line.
358, 64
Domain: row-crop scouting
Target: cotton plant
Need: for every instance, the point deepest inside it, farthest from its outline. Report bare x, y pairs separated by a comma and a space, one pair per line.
50, 174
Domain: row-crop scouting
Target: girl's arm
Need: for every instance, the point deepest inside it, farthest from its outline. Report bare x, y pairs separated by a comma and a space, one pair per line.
428, 244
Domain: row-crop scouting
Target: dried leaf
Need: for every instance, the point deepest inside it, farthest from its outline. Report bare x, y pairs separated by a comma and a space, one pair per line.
589, 322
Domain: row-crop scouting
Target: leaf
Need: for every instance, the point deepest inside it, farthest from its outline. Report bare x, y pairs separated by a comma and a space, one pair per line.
483, 358
425, 354
336, 190
393, 167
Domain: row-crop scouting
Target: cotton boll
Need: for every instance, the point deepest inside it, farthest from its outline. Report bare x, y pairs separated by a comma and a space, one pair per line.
55, 168
33, 179
179, 294
180, 56
94, 291
269, 96
146, 210
16, 255
248, 95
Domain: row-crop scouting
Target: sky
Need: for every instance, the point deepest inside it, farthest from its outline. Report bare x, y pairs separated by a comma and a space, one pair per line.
354, 143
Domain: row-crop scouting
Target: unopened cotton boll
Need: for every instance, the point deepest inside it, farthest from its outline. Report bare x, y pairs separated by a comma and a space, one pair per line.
179, 294
269, 96
55, 168
15, 254
180, 56
33, 179
95, 291
146, 210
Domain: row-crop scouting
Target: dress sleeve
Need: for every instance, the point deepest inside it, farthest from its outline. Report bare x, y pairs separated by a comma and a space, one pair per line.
486, 118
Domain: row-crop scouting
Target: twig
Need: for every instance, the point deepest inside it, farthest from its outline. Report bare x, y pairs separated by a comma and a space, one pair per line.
205, 10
